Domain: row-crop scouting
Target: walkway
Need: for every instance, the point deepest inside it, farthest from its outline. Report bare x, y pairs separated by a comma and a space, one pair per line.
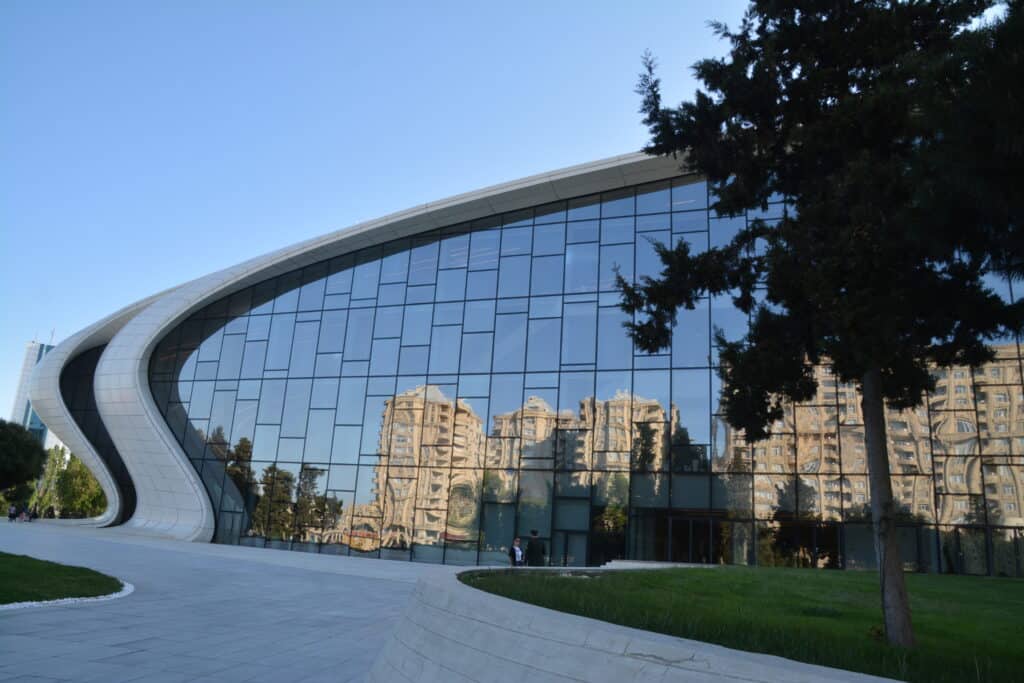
203, 612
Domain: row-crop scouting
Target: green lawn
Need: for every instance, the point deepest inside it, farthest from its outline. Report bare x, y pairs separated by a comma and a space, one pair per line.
24, 578
968, 628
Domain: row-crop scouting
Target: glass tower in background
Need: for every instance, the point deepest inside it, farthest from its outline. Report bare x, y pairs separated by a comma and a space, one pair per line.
22, 412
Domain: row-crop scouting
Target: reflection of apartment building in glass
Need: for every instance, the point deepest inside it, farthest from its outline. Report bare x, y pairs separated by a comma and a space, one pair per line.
430, 385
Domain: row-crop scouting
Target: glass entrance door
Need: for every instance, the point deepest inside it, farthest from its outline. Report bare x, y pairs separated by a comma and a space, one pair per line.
689, 540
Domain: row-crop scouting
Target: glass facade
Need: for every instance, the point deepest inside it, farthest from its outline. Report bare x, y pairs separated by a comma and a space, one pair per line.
76, 389
433, 397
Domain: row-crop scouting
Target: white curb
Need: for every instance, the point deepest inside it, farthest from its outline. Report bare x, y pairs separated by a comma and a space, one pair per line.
126, 590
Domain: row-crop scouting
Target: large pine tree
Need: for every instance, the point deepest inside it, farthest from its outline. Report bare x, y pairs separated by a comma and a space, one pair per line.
847, 109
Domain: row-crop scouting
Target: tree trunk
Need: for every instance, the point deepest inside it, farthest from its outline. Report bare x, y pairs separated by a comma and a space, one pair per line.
895, 603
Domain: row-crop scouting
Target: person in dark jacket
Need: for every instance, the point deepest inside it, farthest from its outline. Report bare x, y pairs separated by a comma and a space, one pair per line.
535, 550
516, 555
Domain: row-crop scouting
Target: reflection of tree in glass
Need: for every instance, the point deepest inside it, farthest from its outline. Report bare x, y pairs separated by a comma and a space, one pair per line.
273, 515
608, 523
779, 543
686, 455
308, 506
737, 487
239, 470
218, 444
463, 512
644, 447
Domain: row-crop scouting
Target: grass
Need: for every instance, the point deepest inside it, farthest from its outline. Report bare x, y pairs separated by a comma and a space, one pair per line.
24, 578
968, 628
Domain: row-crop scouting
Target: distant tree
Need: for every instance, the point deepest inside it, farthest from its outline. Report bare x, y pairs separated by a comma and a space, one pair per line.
21, 455
846, 109
46, 498
79, 493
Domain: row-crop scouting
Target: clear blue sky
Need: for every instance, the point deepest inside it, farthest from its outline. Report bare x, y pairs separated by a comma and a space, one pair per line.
145, 144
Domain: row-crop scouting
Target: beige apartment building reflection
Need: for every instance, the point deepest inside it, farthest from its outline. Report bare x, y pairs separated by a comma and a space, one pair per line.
436, 460
949, 458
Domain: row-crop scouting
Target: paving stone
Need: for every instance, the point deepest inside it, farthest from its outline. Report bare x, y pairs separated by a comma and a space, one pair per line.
203, 612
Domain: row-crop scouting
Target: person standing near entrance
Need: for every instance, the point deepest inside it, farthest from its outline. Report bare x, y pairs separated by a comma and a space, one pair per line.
535, 550
515, 553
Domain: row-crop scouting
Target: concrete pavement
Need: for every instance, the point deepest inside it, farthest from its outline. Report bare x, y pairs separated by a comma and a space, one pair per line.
203, 612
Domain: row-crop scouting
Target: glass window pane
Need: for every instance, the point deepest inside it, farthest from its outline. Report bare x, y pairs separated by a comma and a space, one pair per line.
304, 349
351, 395
691, 343
483, 249
618, 257
359, 336
648, 263
280, 345
546, 276
509, 343
581, 268
514, 276
614, 347
271, 401
319, 432
579, 333
444, 349
548, 239
583, 208
332, 331
296, 407
476, 352
364, 283
345, 446
451, 285
516, 241
479, 316
482, 284
385, 357
231, 357
535, 502
543, 355
617, 230
617, 203
454, 251
653, 198
688, 195
423, 263
395, 266
416, 324
412, 360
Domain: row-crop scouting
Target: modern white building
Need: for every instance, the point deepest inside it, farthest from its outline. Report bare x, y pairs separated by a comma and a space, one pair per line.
430, 385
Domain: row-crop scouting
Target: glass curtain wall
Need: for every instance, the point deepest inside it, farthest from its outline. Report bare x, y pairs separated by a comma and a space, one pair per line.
434, 397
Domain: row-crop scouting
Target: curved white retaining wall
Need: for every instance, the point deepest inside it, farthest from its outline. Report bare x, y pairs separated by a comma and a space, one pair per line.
451, 633
47, 401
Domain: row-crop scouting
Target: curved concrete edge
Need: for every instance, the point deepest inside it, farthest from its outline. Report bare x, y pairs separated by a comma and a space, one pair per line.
171, 500
47, 401
453, 633
126, 590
